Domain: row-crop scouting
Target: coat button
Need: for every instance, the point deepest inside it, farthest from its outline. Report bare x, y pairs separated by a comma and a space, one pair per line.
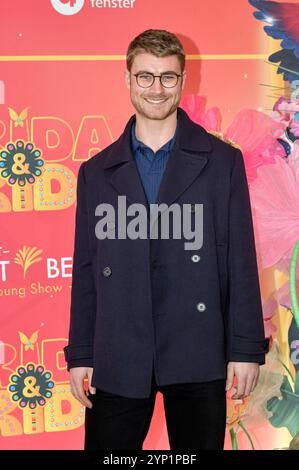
201, 307
195, 258
107, 271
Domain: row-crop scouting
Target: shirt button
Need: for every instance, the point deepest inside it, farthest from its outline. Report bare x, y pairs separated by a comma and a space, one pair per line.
201, 307
195, 258
107, 271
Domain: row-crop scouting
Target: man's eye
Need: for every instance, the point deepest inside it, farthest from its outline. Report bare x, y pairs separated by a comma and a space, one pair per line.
145, 76
169, 77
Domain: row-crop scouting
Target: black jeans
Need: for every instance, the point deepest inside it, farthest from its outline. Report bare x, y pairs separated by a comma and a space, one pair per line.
195, 417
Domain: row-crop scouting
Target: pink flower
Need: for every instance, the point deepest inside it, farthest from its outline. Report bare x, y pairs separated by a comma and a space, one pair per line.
294, 128
256, 134
284, 111
195, 108
286, 106
275, 201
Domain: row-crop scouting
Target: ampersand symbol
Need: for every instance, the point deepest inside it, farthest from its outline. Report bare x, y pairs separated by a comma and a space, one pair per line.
31, 390
19, 167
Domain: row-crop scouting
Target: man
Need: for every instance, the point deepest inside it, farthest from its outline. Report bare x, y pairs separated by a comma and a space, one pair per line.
149, 314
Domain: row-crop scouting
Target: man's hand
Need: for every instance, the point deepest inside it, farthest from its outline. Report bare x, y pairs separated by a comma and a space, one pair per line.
77, 376
247, 374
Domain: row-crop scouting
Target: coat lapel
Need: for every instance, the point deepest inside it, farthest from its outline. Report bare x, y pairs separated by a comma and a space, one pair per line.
125, 177
188, 157
127, 182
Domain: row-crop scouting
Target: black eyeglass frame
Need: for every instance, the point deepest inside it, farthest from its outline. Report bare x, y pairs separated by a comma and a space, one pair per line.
160, 77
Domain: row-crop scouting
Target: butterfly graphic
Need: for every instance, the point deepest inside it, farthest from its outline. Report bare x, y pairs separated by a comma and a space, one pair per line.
18, 120
28, 342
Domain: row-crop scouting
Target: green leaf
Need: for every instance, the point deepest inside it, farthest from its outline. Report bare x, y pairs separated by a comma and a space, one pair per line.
286, 408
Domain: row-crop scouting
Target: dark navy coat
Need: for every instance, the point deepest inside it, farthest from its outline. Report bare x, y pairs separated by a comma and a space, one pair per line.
144, 303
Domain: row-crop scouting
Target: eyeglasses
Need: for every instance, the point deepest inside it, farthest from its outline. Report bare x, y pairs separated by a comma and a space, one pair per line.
167, 79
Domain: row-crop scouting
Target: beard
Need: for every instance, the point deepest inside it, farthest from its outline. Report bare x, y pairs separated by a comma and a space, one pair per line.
155, 111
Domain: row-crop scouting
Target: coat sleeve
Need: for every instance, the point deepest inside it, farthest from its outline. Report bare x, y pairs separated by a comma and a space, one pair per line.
79, 351
246, 340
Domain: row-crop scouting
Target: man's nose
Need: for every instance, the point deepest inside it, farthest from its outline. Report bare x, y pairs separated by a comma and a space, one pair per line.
157, 86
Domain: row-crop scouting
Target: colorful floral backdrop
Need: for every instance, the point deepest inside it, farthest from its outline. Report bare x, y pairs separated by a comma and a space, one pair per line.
62, 99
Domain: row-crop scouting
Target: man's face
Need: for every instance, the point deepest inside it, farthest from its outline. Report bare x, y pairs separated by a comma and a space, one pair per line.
155, 102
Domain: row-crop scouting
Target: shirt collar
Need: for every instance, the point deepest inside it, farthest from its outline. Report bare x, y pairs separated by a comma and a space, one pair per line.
137, 144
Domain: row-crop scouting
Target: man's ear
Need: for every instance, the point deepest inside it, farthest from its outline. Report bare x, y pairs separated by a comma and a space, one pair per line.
184, 79
127, 78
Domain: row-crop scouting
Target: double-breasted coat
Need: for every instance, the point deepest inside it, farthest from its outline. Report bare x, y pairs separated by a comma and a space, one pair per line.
144, 303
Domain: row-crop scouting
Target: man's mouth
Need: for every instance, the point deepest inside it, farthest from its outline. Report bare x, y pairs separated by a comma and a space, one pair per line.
155, 101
